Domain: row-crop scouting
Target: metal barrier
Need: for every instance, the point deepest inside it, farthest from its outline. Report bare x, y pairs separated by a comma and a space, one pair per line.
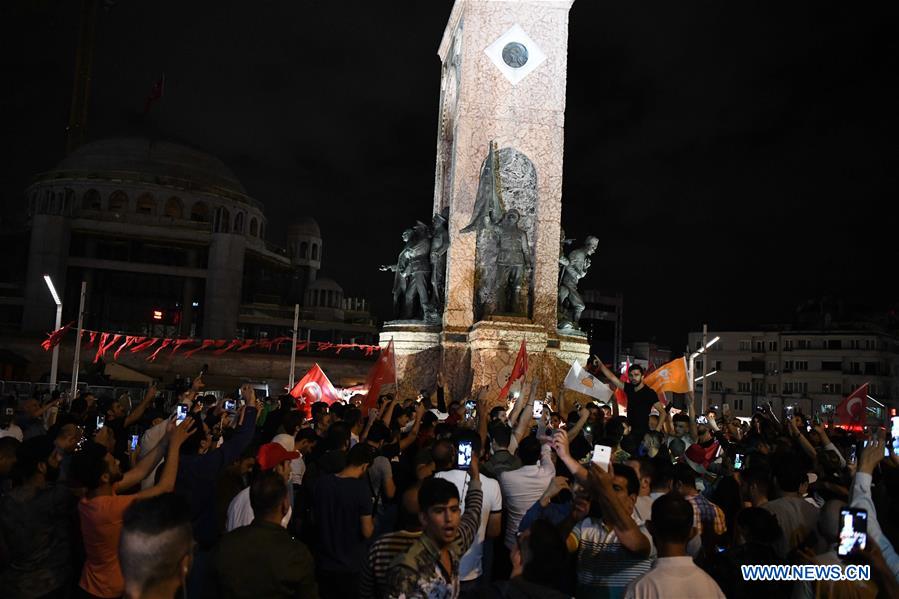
22, 390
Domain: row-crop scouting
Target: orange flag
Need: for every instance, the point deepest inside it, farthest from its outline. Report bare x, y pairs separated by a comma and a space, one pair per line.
670, 377
518, 370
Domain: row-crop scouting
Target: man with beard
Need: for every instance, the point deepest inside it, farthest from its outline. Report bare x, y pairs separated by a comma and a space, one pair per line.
35, 524
101, 511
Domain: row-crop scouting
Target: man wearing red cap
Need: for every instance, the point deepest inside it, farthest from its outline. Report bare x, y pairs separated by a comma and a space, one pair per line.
271, 456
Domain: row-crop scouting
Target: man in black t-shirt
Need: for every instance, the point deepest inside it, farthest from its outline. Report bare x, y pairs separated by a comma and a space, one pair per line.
640, 398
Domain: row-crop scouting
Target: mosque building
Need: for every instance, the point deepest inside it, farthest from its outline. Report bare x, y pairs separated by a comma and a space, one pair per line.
172, 245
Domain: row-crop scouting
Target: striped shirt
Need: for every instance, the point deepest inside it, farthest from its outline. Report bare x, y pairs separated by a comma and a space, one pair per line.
604, 566
382, 552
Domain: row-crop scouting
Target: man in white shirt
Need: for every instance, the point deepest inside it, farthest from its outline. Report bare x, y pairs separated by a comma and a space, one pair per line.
471, 567
271, 456
521, 488
673, 574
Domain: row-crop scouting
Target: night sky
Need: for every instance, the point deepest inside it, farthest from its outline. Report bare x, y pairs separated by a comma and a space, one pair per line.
733, 158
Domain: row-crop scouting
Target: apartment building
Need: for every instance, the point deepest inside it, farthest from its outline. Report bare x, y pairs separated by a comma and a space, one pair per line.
811, 369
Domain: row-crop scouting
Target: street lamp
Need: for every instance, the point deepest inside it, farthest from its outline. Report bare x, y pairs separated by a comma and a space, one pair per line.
705, 376
55, 360
706, 344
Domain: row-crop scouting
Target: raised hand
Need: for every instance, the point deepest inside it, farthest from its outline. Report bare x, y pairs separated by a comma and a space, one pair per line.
183, 431
560, 443
249, 395
872, 454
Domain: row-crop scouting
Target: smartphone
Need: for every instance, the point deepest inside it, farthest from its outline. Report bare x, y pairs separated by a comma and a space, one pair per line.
853, 530
181, 413
894, 433
230, 405
886, 449
739, 461
853, 455
8, 411
602, 456
702, 420
134, 439
203, 370
788, 410
538, 409
463, 455
101, 422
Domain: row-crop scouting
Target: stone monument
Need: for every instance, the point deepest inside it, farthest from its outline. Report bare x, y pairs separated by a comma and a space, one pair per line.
499, 174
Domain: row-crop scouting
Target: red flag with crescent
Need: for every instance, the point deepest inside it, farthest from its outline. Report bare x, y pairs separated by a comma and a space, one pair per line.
518, 370
852, 409
382, 373
313, 387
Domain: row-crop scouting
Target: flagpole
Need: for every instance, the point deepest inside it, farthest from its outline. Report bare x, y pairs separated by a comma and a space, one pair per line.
77, 362
293, 348
705, 370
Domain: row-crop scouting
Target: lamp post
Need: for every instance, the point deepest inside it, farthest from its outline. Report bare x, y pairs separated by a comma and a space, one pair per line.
293, 348
706, 344
76, 363
54, 364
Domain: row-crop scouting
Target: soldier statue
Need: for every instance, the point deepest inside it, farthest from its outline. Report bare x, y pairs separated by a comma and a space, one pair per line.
399, 279
575, 268
513, 265
440, 241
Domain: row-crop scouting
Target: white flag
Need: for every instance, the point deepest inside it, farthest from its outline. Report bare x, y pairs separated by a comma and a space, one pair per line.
582, 381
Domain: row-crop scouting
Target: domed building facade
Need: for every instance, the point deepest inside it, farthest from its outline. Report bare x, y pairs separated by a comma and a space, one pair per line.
172, 245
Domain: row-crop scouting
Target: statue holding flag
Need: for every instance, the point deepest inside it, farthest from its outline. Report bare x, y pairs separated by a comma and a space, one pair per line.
504, 254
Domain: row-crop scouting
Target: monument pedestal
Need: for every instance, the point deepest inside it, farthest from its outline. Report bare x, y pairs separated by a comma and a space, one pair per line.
417, 347
482, 356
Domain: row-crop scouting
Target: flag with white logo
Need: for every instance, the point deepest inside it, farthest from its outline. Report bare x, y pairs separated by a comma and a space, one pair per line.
582, 381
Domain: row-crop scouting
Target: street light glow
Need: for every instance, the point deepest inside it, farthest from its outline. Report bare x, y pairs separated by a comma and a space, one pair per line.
50, 286
696, 380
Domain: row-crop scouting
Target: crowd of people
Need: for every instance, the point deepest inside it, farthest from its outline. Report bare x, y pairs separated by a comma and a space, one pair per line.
433, 496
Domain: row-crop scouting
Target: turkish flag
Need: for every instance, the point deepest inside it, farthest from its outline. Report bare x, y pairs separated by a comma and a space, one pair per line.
313, 387
518, 370
852, 409
620, 395
382, 373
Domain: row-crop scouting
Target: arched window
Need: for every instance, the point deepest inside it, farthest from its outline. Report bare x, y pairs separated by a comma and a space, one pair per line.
91, 200
238, 222
254, 227
146, 204
222, 220
118, 201
315, 251
174, 208
261, 230
69, 200
199, 212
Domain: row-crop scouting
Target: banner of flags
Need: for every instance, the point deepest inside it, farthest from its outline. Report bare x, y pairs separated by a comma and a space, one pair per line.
118, 342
